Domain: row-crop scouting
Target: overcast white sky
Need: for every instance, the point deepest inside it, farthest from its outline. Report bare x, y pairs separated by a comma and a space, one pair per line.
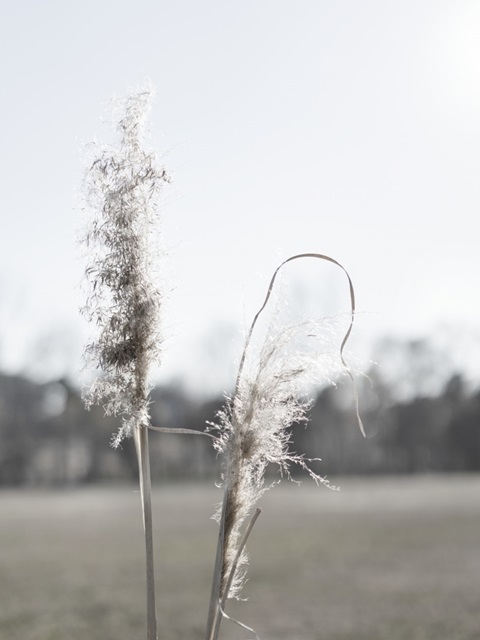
348, 128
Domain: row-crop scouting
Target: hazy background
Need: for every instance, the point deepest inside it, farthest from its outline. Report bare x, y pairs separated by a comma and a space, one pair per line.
346, 128
350, 129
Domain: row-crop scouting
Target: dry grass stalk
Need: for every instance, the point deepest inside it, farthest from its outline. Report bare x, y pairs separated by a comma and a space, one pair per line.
253, 432
122, 187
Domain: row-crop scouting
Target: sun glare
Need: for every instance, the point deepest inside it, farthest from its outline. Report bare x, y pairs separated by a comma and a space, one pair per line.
463, 53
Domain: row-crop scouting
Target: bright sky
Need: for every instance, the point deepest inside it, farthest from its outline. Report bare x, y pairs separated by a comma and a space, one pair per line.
347, 128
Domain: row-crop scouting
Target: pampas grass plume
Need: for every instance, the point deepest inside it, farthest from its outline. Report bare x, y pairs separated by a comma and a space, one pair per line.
122, 188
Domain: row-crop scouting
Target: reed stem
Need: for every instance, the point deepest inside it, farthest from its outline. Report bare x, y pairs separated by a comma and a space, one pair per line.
142, 448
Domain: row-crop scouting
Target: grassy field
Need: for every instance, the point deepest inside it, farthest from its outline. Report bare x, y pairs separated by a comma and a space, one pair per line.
383, 559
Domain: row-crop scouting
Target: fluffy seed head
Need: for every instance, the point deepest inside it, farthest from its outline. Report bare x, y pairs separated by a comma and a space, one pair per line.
255, 428
122, 187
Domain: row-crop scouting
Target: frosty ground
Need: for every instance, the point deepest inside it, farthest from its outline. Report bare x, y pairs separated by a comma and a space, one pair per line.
383, 558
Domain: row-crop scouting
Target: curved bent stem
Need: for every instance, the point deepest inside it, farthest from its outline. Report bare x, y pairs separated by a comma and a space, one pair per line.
318, 256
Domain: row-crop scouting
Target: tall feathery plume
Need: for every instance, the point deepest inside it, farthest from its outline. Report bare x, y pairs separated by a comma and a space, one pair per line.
254, 432
122, 188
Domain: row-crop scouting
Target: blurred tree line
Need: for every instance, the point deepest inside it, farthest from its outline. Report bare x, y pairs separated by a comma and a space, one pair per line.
47, 437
